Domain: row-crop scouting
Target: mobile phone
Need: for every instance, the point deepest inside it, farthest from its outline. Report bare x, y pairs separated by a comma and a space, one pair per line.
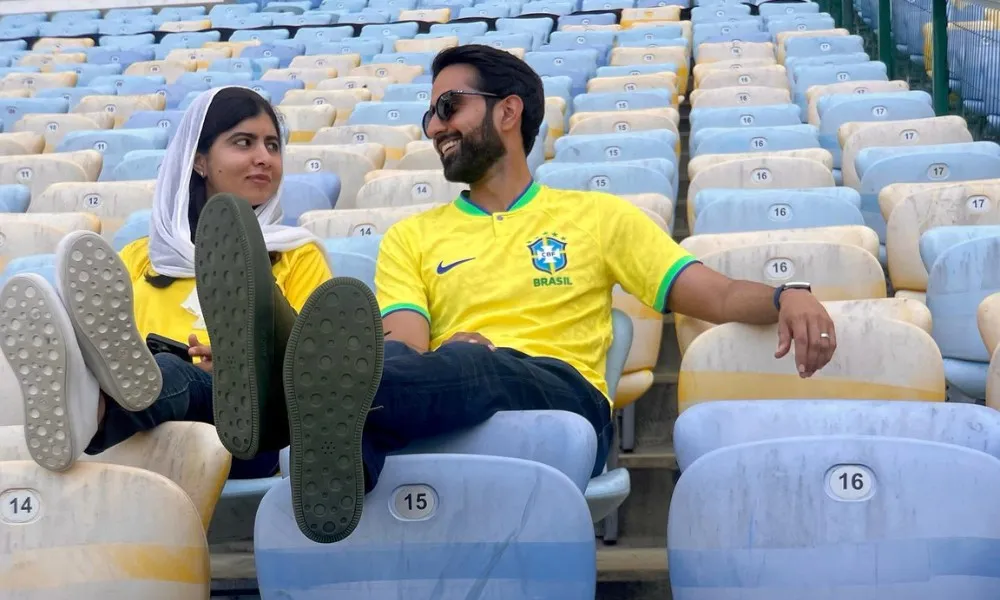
158, 344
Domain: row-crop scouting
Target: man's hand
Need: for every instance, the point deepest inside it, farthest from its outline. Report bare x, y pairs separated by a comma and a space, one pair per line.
470, 338
803, 319
197, 349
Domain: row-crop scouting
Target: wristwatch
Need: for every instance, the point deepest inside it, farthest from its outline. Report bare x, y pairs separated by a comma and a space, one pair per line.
791, 285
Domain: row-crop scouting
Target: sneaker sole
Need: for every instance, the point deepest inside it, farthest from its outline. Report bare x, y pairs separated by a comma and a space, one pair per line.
35, 343
235, 292
330, 381
97, 291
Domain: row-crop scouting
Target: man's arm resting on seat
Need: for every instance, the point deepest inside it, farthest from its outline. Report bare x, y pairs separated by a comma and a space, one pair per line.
705, 294
409, 327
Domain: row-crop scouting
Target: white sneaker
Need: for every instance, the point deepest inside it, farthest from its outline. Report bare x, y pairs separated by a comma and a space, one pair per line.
95, 288
60, 394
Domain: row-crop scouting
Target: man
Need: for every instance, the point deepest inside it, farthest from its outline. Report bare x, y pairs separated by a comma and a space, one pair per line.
500, 300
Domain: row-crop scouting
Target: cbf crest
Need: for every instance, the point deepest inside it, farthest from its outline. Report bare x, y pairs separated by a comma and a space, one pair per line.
548, 253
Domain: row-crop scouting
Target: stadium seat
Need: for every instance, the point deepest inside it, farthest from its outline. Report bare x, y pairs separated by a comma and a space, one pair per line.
114, 144
423, 159
836, 272
112, 202
393, 138
39, 171
348, 163
624, 177
14, 198
756, 172
865, 367
729, 140
739, 96
855, 137
624, 121
341, 62
306, 192
25, 142
756, 210
851, 235
959, 279
773, 76
302, 122
879, 167
169, 70
13, 109
808, 76
707, 427
36, 233
55, 127
721, 544
277, 89
916, 208
351, 222
617, 146
138, 165
544, 506
95, 555
816, 92
121, 107
749, 116
400, 188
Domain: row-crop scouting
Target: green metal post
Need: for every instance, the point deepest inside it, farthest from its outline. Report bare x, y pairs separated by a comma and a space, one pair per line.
886, 48
847, 14
939, 58
835, 11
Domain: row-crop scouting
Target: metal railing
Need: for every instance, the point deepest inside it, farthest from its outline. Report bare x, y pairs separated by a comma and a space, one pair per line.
949, 48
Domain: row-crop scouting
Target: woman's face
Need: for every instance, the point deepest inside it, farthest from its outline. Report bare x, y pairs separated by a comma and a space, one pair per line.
245, 161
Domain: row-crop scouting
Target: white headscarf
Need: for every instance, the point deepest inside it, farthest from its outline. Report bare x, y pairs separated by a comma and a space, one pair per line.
170, 248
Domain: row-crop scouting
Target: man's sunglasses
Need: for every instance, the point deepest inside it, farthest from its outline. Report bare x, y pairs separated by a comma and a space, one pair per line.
447, 104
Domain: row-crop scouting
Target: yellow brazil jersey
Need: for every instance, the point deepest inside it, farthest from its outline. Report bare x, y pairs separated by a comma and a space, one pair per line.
536, 278
173, 311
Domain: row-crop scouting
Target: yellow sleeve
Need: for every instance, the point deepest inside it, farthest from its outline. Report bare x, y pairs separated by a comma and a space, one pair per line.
136, 258
307, 269
398, 285
640, 256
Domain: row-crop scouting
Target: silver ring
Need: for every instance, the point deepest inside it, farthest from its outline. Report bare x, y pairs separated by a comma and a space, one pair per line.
824, 336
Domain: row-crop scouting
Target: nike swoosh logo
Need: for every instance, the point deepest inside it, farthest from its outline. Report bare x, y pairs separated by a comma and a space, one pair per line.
443, 268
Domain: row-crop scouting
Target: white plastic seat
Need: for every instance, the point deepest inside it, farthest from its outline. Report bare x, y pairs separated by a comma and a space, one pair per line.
26, 234
351, 222
302, 122
39, 171
54, 127
111, 202
392, 137
398, 188
350, 164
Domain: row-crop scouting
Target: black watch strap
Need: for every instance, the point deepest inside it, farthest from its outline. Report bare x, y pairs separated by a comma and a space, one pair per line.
788, 286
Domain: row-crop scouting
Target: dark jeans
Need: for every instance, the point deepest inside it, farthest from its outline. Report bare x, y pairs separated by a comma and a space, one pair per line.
461, 385
186, 396
421, 395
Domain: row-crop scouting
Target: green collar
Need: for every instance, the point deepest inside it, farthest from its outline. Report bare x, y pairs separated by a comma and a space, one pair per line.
467, 206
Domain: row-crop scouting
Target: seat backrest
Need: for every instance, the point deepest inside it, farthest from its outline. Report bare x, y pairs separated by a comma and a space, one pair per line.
622, 122
736, 362
348, 164
393, 138
988, 320
434, 510
302, 122
773, 76
959, 279
55, 127
704, 160
397, 72
735, 214
121, 107
388, 113
920, 207
116, 143
713, 425
816, 92
169, 70
165, 557
375, 85
704, 244
728, 140
309, 77
341, 62
399, 188
357, 221
740, 95
634, 83
36, 233
111, 202
729, 51
727, 533
21, 142
757, 172
855, 137
742, 116
39, 171
625, 177
420, 160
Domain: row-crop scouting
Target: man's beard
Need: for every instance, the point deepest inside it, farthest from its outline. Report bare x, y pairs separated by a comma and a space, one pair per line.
477, 152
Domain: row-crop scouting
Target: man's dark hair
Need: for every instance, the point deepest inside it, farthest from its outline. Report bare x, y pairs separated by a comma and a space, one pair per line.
501, 73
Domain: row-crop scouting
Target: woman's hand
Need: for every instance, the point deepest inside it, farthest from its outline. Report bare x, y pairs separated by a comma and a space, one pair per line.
197, 349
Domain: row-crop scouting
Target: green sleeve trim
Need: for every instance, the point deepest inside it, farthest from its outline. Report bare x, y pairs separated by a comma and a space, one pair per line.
663, 293
406, 306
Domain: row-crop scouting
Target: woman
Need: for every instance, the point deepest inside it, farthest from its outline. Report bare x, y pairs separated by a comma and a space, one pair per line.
82, 350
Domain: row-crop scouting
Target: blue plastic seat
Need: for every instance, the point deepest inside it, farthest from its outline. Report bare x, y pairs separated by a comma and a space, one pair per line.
407, 92
125, 42
118, 56
655, 175
249, 21
113, 144
397, 30
768, 10
138, 165
464, 31
264, 36
73, 95
69, 29
838, 109
303, 192
709, 196
308, 19
14, 198
506, 40
731, 536
276, 89
588, 5
801, 22
74, 15
624, 70
387, 113
493, 11
649, 35
283, 52
543, 7
807, 77
352, 264
539, 27
607, 101
794, 63
255, 67
734, 211
367, 16
959, 278
579, 65
181, 13
42, 264
741, 116
878, 167
731, 140
167, 120
726, 31
230, 10
127, 13
420, 59
823, 45
12, 109
538, 543
188, 39
136, 226
559, 86
309, 35
611, 147
365, 47
587, 19
131, 27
